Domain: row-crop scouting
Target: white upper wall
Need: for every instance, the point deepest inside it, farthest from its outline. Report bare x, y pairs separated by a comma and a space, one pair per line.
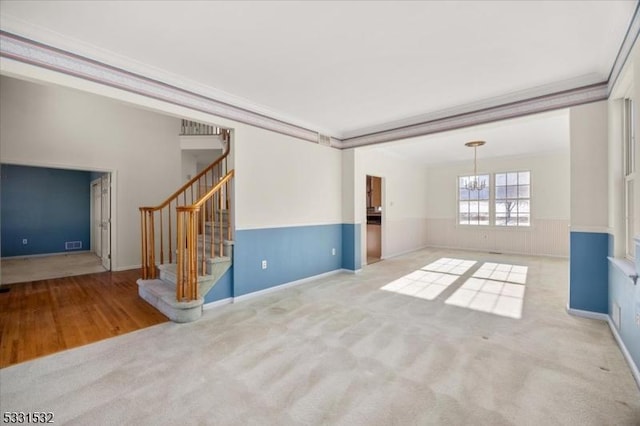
46, 125
293, 182
282, 181
589, 167
404, 200
549, 183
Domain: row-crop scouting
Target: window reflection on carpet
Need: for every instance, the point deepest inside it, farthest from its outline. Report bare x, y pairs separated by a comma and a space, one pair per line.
431, 280
494, 288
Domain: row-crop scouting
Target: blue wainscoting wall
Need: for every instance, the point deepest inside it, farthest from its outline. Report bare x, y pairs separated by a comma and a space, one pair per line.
292, 253
223, 288
588, 271
625, 294
351, 246
47, 207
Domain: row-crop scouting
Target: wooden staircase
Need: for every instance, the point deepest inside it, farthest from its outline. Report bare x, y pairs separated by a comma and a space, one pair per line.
187, 241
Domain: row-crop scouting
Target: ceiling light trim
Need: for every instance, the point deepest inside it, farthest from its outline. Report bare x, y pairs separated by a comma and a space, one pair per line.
29, 51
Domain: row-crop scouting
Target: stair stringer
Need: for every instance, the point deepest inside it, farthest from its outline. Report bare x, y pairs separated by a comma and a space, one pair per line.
161, 293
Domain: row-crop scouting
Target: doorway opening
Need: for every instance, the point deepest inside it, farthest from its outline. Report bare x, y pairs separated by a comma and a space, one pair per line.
47, 223
374, 219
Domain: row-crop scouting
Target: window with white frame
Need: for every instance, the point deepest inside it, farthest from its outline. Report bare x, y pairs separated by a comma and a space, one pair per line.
513, 199
628, 135
473, 205
505, 200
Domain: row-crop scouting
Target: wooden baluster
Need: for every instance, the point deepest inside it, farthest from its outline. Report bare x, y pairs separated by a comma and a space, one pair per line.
203, 263
220, 224
170, 225
226, 185
144, 244
193, 270
180, 268
161, 240
212, 228
152, 247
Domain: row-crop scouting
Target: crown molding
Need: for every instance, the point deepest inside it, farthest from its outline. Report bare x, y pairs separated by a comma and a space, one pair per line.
625, 49
28, 51
25, 50
564, 99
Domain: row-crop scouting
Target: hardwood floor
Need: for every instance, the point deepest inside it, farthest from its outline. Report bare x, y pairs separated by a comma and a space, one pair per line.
42, 317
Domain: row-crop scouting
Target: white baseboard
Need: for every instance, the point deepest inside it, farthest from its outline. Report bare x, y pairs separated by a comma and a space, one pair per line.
237, 299
62, 253
500, 251
126, 268
587, 314
215, 304
285, 285
402, 253
625, 352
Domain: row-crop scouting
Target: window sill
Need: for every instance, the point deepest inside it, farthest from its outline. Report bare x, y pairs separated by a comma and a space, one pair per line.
627, 267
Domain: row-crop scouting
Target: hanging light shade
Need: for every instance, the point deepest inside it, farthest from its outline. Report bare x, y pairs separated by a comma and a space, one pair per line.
474, 184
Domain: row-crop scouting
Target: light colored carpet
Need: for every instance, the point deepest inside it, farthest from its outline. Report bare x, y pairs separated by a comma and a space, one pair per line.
48, 267
341, 351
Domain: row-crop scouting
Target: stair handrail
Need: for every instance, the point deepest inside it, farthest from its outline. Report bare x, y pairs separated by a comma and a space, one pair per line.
192, 221
225, 153
163, 212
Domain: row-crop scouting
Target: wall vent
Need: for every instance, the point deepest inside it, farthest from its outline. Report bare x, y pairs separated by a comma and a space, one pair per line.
73, 245
615, 315
324, 140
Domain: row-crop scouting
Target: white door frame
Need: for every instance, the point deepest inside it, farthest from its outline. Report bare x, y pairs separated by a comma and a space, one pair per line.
96, 207
105, 207
383, 218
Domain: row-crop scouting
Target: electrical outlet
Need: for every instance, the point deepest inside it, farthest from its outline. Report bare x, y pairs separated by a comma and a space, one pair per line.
24, 241
333, 251
264, 264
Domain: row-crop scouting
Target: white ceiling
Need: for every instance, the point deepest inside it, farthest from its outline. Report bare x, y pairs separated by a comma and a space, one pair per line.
342, 68
546, 132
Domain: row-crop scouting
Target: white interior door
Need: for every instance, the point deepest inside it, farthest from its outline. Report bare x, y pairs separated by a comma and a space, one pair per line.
96, 220
105, 229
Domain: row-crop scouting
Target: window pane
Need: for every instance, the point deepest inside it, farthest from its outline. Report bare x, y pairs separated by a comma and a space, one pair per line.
523, 220
464, 207
483, 207
462, 181
463, 194
484, 179
484, 194
512, 199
